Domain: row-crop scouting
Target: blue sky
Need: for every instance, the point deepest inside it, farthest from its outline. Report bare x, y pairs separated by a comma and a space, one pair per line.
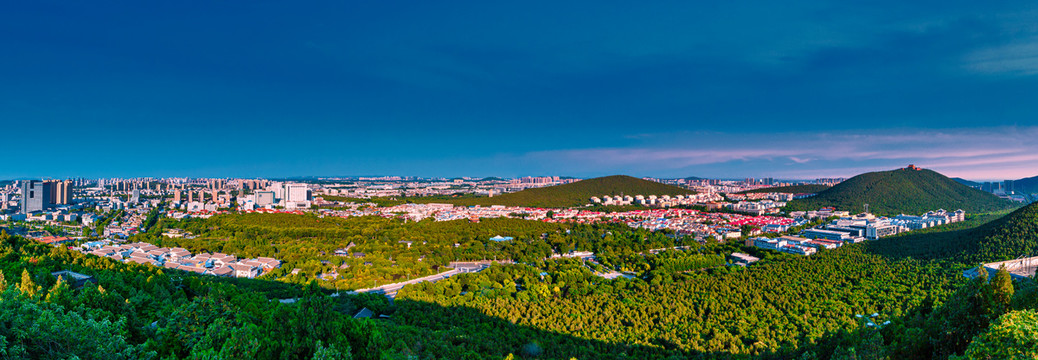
585, 88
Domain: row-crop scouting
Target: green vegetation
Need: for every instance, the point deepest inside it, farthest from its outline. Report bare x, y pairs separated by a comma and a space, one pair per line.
575, 194
942, 242
933, 312
902, 191
1014, 336
761, 310
142, 312
680, 304
998, 238
308, 242
792, 189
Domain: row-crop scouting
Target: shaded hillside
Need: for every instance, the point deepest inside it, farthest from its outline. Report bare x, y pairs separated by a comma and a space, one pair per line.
972, 184
792, 189
983, 238
902, 191
1010, 237
1026, 185
575, 194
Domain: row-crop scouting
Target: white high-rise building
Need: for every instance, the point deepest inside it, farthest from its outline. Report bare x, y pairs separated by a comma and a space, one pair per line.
264, 198
297, 195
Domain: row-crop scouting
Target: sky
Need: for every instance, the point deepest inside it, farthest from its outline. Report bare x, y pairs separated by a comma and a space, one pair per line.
793, 90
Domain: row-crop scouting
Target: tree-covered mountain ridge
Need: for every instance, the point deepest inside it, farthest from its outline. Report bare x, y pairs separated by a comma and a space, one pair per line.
902, 191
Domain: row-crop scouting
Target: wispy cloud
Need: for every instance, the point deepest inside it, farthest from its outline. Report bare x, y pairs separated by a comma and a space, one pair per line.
1018, 58
989, 153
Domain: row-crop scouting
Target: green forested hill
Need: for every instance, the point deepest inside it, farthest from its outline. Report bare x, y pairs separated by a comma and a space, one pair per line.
792, 189
575, 194
1026, 185
984, 238
902, 191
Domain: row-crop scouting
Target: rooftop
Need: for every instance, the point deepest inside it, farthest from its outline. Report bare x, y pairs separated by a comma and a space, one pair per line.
1017, 268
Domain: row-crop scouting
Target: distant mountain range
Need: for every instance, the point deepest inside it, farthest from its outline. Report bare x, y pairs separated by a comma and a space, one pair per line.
908, 191
575, 194
1025, 185
967, 182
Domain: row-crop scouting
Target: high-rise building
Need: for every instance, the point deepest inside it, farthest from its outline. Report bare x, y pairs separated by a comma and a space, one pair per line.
34, 196
264, 198
51, 187
62, 191
297, 193
59, 192
176, 196
1007, 186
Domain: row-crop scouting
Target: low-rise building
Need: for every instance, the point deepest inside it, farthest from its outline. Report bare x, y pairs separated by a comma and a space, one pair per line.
742, 259
244, 271
826, 234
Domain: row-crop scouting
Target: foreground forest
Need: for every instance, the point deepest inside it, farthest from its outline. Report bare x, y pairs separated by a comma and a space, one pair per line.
388, 250
680, 304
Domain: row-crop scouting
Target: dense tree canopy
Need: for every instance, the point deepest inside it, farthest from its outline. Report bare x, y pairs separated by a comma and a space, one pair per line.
902, 297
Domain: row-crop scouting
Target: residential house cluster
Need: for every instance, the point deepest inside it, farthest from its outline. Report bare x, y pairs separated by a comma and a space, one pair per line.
757, 208
719, 226
217, 264
653, 200
820, 213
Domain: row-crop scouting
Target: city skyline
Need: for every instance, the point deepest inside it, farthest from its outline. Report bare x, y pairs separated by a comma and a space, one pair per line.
794, 91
